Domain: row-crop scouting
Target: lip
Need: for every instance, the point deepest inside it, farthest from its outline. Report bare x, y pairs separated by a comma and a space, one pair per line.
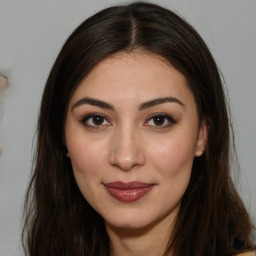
128, 192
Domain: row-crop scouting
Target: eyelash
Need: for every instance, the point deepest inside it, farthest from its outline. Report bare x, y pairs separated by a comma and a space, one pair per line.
167, 118
91, 116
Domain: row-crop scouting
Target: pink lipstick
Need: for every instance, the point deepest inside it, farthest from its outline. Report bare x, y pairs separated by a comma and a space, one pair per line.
128, 192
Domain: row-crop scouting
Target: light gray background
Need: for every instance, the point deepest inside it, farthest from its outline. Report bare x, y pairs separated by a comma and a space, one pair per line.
31, 34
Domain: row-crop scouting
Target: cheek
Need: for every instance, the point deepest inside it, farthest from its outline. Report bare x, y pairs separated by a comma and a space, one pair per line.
173, 156
86, 158
173, 161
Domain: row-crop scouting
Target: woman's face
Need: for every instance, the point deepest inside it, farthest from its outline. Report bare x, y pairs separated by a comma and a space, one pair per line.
132, 133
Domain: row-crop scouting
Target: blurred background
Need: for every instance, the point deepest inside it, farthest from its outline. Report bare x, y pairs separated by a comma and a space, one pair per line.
31, 35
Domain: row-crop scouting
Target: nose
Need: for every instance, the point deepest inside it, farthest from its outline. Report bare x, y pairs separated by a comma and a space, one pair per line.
126, 150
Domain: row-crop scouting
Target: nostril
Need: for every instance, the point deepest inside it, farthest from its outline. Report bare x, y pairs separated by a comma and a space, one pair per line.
126, 161
126, 166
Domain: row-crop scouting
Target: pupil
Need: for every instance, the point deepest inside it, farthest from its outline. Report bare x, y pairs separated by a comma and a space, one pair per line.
159, 120
97, 120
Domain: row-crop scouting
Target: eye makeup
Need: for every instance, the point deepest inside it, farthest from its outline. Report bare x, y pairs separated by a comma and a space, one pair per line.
157, 121
160, 120
95, 120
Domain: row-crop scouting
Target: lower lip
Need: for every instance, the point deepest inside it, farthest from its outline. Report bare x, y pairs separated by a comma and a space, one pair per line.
128, 195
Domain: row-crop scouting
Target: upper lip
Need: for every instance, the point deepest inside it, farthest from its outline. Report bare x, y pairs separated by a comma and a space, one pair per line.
127, 185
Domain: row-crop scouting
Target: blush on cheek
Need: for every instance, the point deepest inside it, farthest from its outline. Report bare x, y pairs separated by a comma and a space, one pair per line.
173, 155
87, 160
82, 150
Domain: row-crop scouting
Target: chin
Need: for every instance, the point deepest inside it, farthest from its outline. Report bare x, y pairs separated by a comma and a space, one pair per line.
124, 221
128, 227
135, 220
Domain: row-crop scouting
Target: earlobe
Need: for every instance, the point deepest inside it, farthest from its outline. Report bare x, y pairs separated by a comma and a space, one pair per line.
202, 139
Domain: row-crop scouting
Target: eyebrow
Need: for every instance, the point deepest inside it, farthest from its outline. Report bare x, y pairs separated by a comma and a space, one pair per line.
145, 105
94, 102
159, 101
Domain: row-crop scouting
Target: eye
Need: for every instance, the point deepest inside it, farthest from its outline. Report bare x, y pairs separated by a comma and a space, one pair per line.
160, 121
95, 121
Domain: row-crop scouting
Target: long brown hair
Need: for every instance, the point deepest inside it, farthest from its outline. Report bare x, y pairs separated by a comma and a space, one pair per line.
58, 220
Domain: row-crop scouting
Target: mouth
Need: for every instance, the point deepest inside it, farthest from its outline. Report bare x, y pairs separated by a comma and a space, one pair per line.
128, 192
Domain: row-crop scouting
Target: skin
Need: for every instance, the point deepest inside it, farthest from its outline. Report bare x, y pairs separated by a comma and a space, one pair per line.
128, 144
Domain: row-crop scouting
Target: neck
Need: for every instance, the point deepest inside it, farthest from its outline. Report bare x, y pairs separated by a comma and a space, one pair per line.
151, 240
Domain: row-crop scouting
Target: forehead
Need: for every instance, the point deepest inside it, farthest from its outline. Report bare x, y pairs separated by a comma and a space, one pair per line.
133, 76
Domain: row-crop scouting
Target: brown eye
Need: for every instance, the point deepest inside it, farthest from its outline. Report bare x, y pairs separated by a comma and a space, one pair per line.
95, 121
160, 121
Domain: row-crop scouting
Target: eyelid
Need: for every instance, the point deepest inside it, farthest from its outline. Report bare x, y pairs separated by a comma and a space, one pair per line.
170, 119
91, 115
167, 117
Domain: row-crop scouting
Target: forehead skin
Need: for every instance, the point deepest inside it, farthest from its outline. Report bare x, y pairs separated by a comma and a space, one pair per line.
126, 79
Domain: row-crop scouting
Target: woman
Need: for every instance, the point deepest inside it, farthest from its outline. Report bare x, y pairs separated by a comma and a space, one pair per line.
133, 145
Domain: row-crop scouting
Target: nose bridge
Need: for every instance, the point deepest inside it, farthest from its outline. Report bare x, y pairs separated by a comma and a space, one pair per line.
126, 148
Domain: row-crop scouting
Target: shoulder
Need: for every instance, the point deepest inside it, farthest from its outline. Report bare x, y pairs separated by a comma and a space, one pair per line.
252, 253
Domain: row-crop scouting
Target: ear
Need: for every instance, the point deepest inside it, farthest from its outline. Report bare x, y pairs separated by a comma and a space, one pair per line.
201, 139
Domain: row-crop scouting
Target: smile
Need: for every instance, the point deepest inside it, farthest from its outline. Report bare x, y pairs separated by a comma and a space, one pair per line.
128, 192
